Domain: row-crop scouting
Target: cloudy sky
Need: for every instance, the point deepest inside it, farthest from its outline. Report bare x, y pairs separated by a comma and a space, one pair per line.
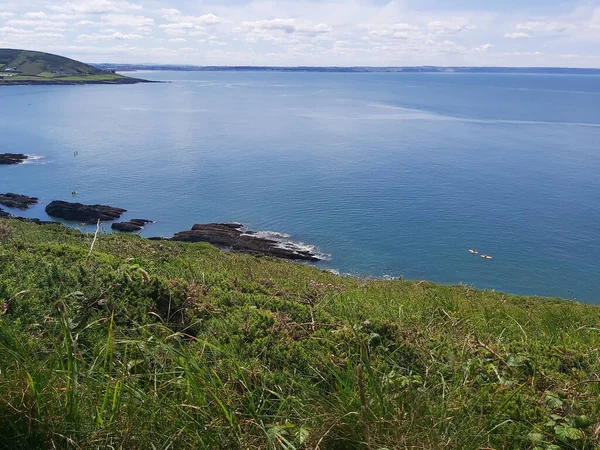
309, 32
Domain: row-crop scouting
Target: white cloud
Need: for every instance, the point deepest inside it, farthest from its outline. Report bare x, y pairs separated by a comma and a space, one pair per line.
25, 35
517, 35
35, 15
124, 20
94, 7
179, 26
209, 19
287, 26
483, 48
544, 27
303, 32
102, 37
174, 15
450, 26
394, 31
11, 30
38, 23
171, 14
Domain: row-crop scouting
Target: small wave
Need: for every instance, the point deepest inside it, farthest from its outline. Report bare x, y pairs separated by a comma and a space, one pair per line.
274, 235
32, 158
559, 91
301, 247
237, 85
188, 111
284, 241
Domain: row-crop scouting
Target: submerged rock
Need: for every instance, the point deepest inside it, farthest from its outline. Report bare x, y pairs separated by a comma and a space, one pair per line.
231, 236
12, 158
78, 212
131, 226
17, 201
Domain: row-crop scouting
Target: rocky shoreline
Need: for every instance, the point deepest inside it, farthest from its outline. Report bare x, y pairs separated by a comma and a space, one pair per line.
7, 159
226, 236
75, 83
231, 236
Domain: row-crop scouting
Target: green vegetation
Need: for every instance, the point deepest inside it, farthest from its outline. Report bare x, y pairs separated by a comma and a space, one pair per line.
27, 67
161, 345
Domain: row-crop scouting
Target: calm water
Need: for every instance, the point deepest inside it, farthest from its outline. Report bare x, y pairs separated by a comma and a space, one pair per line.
390, 174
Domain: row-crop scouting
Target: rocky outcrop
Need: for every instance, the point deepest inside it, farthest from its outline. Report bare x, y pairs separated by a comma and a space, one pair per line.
37, 221
231, 236
78, 212
131, 226
17, 201
12, 158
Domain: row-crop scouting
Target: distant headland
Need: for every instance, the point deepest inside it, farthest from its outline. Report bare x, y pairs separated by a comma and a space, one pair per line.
23, 67
355, 69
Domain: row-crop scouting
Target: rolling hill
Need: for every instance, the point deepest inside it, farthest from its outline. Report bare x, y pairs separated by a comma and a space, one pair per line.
30, 67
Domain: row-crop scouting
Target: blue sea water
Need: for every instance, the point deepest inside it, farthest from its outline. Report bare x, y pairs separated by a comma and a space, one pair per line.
390, 174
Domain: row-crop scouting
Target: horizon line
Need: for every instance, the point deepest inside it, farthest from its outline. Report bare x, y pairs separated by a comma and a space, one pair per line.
421, 66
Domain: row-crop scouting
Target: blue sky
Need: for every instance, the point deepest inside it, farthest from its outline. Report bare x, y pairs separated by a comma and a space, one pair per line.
309, 32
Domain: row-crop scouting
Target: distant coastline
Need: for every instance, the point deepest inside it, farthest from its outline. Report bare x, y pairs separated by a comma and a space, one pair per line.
357, 69
124, 80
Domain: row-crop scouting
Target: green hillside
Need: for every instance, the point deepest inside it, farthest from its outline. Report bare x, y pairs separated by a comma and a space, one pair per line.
144, 344
29, 67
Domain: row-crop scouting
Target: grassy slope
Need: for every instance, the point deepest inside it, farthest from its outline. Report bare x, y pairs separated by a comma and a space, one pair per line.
164, 345
38, 67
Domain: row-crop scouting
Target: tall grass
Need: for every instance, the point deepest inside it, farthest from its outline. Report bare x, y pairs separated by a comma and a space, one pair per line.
166, 346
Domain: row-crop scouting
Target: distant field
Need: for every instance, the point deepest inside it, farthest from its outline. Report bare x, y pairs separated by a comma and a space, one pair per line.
27, 67
102, 78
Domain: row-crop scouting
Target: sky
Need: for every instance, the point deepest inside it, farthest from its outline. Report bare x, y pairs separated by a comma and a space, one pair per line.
309, 32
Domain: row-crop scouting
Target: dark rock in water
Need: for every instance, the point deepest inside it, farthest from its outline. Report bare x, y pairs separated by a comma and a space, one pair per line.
141, 222
78, 212
12, 158
231, 236
17, 201
132, 226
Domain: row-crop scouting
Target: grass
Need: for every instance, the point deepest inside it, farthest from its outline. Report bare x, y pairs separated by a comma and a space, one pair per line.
164, 345
33, 63
45, 68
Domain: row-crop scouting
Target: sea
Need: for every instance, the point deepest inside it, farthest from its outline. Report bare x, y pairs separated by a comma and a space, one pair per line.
386, 174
